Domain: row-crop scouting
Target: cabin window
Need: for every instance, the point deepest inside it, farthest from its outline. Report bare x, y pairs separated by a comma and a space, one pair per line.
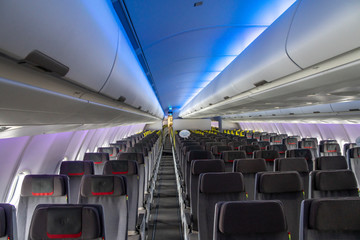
15, 189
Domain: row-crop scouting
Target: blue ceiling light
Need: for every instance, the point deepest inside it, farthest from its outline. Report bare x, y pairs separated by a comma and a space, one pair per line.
186, 47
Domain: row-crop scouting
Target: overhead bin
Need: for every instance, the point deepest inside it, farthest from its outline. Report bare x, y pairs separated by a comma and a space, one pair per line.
262, 61
81, 35
323, 29
128, 82
82, 41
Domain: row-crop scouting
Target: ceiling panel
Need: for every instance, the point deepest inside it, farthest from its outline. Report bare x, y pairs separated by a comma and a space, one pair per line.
186, 46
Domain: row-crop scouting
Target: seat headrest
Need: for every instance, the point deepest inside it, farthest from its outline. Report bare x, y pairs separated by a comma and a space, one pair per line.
340, 214
230, 156
354, 152
199, 154
123, 167
250, 165
249, 149
335, 180
192, 148
250, 217
110, 150
280, 148
44, 185
331, 163
230, 182
203, 166
77, 168
308, 144
279, 182
2, 222
139, 157
101, 185
290, 141
65, 222
268, 155
331, 147
305, 153
220, 148
291, 164
97, 158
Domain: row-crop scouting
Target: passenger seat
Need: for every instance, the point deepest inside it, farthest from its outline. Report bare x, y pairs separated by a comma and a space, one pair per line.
252, 220
55, 221
75, 170
330, 163
110, 192
8, 226
333, 183
99, 160
39, 189
330, 219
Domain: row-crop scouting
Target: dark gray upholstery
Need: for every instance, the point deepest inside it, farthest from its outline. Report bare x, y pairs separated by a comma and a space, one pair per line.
39, 189
330, 163
310, 144
276, 140
230, 156
217, 149
191, 156
250, 149
330, 149
129, 169
333, 183
143, 172
305, 153
213, 188
8, 226
99, 160
75, 170
110, 192
330, 219
291, 143
262, 144
208, 145
354, 161
253, 220
295, 164
73, 221
198, 167
112, 151
249, 167
269, 156
286, 187
280, 148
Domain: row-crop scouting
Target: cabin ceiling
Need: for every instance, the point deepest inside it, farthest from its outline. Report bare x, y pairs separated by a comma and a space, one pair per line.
188, 43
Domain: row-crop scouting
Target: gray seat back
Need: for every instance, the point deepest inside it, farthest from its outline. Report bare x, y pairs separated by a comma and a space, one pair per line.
213, 188
198, 167
112, 151
305, 153
99, 160
330, 219
269, 156
332, 183
67, 221
230, 156
280, 148
143, 172
110, 192
286, 187
354, 161
291, 143
311, 145
252, 220
295, 164
8, 229
129, 169
330, 163
249, 167
191, 156
39, 189
329, 149
75, 170
250, 149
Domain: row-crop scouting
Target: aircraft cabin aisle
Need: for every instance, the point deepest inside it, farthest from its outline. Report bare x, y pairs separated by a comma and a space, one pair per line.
196, 119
